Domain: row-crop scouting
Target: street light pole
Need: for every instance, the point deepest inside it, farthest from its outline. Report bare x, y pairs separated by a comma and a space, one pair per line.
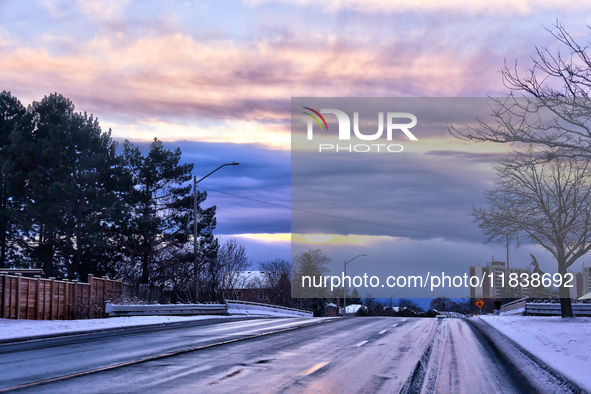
345, 286
392, 296
195, 221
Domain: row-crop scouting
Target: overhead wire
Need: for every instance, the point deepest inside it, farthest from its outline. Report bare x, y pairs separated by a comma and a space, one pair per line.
341, 217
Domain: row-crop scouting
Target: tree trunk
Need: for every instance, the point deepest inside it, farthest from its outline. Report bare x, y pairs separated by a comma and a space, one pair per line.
145, 279
566, 308
3, 224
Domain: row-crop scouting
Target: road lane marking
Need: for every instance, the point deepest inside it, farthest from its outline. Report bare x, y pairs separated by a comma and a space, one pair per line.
394, 325
314, 368
383, 331
361, 343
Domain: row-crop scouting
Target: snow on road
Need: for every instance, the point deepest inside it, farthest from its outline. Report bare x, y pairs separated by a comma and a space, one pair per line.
12, 329
563, 344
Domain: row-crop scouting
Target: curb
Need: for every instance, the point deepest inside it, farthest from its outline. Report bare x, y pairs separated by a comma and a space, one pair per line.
520, 358
163, 325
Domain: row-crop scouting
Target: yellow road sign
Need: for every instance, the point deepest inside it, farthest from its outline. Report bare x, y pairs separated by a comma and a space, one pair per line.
479, 303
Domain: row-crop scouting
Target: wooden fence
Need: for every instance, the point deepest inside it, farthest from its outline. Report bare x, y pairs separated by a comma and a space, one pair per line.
49, 299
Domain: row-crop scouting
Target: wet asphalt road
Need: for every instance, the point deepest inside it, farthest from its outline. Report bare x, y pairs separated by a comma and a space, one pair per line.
353, 355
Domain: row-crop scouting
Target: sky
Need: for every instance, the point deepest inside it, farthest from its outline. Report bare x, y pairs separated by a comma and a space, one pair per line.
217, 78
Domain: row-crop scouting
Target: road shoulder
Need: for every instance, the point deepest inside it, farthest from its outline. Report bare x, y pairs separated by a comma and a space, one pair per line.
536, 371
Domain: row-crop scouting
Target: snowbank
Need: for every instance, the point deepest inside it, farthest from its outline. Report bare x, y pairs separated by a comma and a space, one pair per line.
12, 329
563, 344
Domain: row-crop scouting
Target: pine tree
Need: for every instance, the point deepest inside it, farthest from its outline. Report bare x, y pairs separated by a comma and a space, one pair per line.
354, 299
69, 181
11, 112
161, 224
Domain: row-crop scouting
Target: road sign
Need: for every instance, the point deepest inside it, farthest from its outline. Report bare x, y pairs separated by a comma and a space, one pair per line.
479, 303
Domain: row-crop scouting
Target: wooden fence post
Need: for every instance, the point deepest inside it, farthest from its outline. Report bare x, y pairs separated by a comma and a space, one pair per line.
51, 291
44, 299
66, 301
3, 313
91, 283
75, 311
57, 301
104, 290
27, 298
18, 296
37, 295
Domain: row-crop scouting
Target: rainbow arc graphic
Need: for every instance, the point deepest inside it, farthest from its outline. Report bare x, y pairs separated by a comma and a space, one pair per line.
315, 118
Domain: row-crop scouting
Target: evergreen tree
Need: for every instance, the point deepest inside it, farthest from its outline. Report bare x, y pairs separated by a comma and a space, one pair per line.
11, 112
70, 183
161, 223
354, 299
313, 264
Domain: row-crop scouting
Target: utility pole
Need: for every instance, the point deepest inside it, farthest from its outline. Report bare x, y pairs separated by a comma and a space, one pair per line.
195, 239
195, 221
344, 286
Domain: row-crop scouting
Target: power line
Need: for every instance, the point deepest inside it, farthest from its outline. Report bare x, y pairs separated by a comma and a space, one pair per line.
340, 217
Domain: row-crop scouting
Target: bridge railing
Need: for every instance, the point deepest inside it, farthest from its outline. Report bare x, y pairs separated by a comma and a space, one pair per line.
227, 308
164, 310
526, 307
555, 310
258, 309
514, 307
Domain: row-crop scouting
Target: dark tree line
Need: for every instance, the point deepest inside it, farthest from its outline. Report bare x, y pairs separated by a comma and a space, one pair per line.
72, 205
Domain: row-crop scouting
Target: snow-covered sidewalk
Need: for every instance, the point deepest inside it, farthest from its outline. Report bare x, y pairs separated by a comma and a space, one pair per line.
563, 344
13, 329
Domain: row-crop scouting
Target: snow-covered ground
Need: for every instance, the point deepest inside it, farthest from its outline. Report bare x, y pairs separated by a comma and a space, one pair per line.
11, 329
563, 344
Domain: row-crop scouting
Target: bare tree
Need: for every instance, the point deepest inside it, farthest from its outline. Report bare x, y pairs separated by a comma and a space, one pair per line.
546, 203
556, 114
277, 277
553, 120
310, 264
223, 273
442, 304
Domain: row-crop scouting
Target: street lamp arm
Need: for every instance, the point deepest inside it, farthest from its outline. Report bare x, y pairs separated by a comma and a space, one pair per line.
347, 262
223, 165
195, 182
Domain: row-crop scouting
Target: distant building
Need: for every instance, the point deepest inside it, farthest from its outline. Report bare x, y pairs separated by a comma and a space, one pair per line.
352, 309
496, 289
332, 310
248, 286
581, 283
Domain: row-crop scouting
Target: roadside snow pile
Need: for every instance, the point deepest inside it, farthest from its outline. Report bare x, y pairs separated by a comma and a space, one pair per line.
11, 329
563, 344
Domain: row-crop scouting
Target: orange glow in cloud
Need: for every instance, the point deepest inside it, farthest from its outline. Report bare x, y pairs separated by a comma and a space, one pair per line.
148, 84
264, 237
337, 239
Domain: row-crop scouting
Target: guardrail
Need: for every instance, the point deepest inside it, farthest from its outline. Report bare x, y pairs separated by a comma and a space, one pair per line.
554, 309
163, 310
257, 309
227, 308
523, 307
516, 307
